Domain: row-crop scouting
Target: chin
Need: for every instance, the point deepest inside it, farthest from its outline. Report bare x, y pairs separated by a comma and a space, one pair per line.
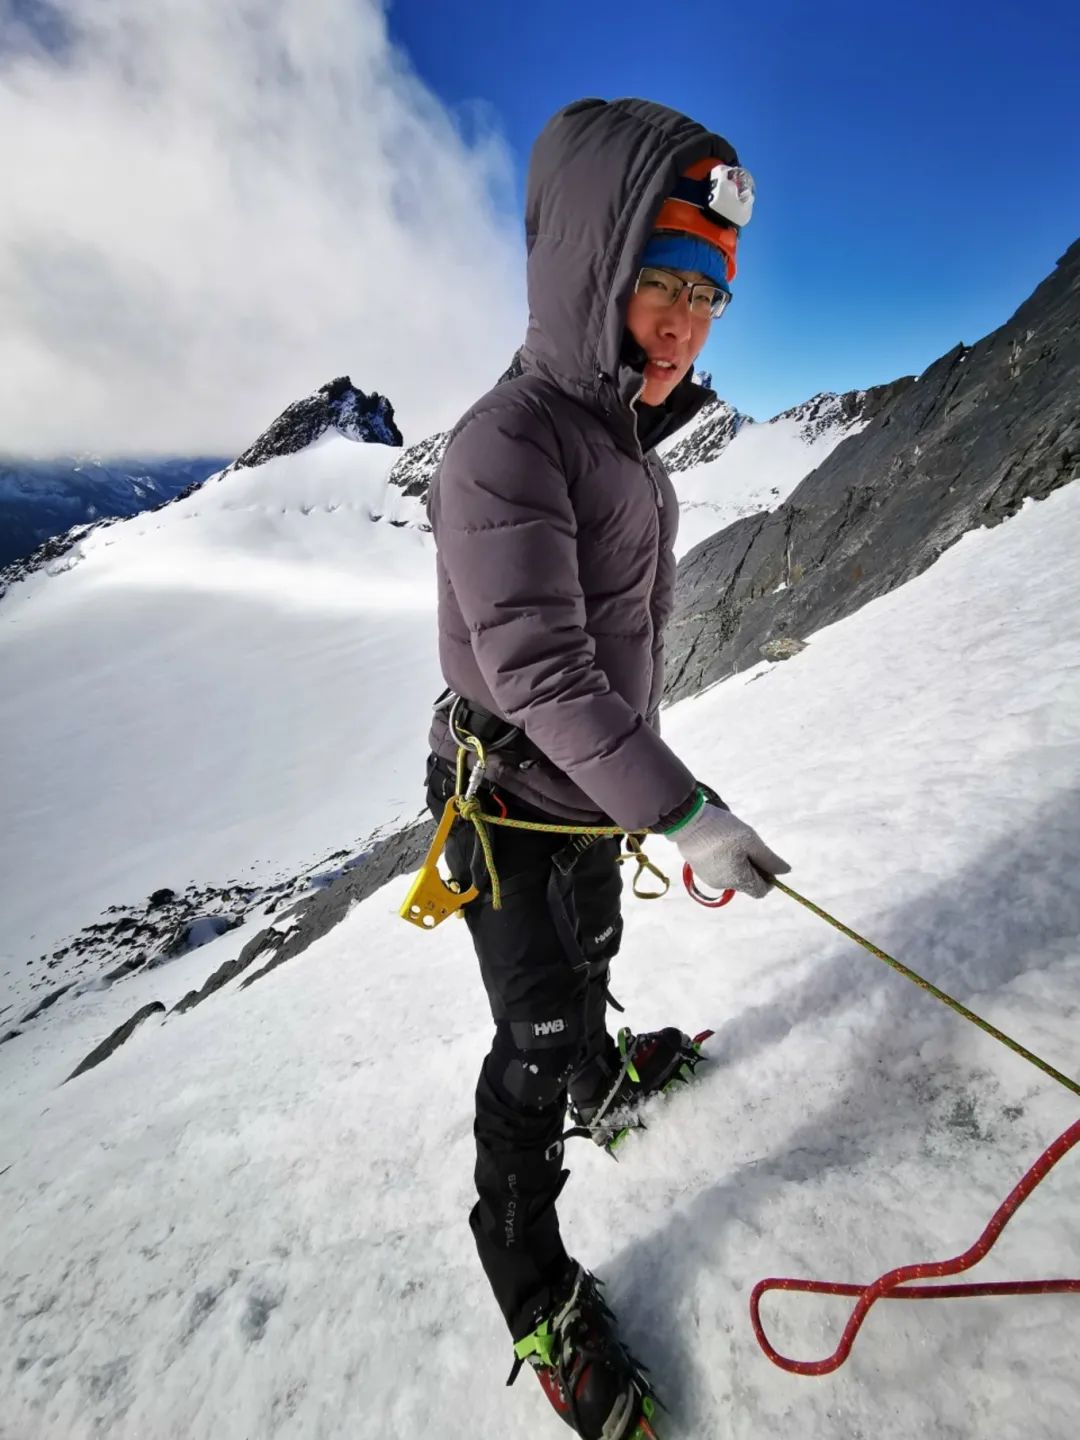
656, 394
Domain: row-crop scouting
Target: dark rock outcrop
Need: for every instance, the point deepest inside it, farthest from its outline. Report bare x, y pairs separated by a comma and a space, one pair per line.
398, 854
316, 914
413, 472
980, 431
46, 1003
714, 428
337, 406
711, 432
192, 934
117, 1038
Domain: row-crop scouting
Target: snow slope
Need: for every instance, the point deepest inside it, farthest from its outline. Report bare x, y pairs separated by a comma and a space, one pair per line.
757, 470
205, 689
250, 1222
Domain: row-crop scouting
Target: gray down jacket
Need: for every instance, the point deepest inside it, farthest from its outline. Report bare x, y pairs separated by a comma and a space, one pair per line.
554, 527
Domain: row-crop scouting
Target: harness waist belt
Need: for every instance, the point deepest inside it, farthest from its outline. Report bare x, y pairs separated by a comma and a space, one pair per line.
497, 735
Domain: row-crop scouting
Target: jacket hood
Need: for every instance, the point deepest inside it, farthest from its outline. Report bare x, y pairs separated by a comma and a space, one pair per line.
599, 173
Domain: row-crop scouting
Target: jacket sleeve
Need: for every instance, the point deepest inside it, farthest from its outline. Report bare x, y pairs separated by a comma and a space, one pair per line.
507, 535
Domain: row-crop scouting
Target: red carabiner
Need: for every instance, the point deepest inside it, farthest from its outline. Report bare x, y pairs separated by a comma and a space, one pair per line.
711, 902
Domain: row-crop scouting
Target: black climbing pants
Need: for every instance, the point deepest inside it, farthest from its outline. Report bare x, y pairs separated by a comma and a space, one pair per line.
544, 960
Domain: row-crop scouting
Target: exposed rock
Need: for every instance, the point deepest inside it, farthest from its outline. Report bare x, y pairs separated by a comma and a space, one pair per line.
42, 1005
229, 971
47, 506
194, 933
333, 895
55, 555
712, 431
117, 1038
398, 854
826, 411
980, 431
717, 424
159, 898
414, 471
782, 649
126, 967
337, 406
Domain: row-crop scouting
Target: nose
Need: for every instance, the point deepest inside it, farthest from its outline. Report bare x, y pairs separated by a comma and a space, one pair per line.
676, 322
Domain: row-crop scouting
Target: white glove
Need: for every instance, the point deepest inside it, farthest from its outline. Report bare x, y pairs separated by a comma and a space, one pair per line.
726, 854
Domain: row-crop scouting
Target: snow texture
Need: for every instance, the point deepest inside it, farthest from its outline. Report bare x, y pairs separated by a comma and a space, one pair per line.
250, 1221
216, 691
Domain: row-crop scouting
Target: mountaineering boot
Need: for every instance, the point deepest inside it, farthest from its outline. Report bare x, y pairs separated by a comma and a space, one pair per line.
605, 1093
593, 1382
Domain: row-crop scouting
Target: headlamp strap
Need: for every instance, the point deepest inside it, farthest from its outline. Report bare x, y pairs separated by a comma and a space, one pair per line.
699, 194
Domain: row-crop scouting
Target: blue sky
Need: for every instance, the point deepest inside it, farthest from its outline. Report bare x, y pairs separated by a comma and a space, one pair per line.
918, 167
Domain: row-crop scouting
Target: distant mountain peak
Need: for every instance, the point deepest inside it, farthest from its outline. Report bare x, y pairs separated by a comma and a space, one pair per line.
339, 406
709, 434
828, 411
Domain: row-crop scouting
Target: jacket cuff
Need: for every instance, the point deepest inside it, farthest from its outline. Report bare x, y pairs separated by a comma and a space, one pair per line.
690, 808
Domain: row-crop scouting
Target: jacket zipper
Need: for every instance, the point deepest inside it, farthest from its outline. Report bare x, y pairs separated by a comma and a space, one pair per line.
655, 483
657, 493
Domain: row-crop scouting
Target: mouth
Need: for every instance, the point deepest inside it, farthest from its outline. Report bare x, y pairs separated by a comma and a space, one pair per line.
660, 369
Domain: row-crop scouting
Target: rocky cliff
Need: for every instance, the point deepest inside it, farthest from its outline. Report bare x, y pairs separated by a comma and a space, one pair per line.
982, 430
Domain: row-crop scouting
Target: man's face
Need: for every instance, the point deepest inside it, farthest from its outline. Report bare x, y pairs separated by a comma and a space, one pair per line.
672, 338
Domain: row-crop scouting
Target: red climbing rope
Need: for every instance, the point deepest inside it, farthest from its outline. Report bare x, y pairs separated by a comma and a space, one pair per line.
888, 1286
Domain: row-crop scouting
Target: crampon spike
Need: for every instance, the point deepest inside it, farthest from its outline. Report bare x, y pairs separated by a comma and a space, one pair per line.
643, 1427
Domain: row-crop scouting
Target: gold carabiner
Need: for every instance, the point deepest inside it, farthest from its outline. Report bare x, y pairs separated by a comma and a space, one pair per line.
431, 898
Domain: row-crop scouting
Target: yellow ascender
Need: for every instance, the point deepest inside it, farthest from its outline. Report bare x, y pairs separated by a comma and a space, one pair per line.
431, 898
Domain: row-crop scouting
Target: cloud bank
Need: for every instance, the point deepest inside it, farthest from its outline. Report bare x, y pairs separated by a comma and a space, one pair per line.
210, 208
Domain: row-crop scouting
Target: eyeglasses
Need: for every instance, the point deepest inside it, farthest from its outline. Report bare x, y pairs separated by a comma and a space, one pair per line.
661, 289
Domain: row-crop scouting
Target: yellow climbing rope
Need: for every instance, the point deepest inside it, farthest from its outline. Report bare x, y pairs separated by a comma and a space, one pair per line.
431, 898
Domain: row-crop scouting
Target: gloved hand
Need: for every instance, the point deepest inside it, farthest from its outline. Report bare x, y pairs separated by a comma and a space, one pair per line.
723, 850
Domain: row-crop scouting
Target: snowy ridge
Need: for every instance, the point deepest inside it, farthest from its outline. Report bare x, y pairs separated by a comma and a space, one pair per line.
41, 500
753, 467
705, 438
826, 412
726, 465
251, 1220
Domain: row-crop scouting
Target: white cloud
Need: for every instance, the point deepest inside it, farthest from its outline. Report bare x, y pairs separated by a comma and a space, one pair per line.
211, 208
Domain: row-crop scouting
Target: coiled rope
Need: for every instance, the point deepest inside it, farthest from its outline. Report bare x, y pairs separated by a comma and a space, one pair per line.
888, 1286
893, 1285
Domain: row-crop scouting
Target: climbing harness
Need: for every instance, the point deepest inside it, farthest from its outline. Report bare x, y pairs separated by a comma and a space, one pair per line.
431, 898
893, 1284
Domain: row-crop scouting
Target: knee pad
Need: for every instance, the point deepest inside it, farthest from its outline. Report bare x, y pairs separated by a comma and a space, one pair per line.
539, 1056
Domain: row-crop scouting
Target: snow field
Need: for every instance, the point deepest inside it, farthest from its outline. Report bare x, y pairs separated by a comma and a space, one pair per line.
251, 1220
203, 695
